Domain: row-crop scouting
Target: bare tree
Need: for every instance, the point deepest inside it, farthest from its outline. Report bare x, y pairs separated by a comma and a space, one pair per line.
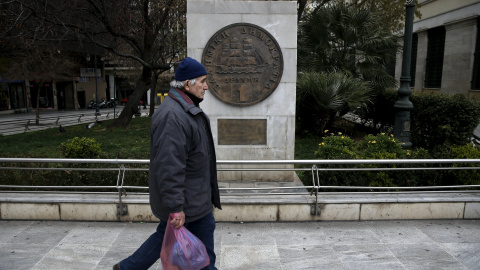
27, 57
150, 32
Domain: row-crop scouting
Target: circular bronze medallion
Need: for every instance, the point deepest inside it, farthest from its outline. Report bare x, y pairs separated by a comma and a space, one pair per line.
244, 64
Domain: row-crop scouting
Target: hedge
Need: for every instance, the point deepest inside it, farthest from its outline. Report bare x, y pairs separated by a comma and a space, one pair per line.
384, 146
436, 119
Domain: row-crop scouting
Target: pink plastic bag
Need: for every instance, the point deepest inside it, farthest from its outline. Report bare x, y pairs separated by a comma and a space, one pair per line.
181, 250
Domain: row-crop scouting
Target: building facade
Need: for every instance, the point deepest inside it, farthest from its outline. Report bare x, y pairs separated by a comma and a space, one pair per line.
14, 96
445, 48
17, 96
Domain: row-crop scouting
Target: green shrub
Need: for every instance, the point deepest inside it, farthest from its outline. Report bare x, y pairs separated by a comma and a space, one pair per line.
323, 96
466, 177
380, 146
439, 119
336, 146
81, 148
436, 119
383, 146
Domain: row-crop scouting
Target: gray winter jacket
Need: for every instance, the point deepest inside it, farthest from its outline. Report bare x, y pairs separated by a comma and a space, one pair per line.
182, 174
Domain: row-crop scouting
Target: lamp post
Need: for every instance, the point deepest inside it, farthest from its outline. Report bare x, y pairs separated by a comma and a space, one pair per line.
403, 106
97, 110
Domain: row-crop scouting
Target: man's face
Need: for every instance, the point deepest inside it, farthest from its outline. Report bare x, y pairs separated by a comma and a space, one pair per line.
199, 88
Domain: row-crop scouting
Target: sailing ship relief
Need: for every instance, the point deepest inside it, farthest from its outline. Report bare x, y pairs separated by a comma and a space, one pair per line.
240, 57
244, 64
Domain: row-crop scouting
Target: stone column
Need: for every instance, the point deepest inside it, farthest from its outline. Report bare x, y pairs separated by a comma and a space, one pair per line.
29, 95
421, 59
458, 57
75, 95
272, 120
54, 91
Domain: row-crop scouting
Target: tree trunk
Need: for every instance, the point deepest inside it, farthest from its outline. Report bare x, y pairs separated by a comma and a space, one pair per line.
134, 101
153, 92
301, 8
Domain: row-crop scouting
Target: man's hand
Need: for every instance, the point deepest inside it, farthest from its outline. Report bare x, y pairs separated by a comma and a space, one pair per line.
178, 220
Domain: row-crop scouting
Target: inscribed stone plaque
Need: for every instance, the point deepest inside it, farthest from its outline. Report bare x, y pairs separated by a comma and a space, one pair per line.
242, 131
244, 64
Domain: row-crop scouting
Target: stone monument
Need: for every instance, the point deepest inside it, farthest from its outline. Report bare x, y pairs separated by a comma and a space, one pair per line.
249, 49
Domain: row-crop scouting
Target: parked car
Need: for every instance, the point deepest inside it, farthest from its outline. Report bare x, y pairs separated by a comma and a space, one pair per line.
125, 100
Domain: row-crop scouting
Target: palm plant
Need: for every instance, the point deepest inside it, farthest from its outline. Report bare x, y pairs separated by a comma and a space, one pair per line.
348, 39
321, 97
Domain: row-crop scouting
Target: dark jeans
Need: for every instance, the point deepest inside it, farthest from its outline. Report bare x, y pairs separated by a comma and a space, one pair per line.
149, 252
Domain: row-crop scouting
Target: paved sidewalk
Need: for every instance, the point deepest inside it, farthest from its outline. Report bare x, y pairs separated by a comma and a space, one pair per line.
422, 244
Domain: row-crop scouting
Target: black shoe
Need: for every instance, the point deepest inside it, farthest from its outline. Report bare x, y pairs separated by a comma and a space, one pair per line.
115, 267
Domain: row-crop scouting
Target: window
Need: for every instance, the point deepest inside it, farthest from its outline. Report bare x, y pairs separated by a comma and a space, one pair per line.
476, 60
413, 60
434, 66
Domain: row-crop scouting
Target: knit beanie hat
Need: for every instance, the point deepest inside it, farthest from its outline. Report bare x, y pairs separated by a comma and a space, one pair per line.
189, 69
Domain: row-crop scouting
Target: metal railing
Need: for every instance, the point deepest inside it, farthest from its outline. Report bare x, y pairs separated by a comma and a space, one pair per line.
316, 167
50, 120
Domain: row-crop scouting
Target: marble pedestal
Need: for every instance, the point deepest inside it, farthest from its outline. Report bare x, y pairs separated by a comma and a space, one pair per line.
279, 18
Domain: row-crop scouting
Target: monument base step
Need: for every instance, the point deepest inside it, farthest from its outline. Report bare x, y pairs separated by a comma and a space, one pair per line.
246, 208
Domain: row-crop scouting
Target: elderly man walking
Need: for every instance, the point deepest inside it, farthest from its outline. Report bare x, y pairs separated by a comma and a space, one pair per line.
183, 173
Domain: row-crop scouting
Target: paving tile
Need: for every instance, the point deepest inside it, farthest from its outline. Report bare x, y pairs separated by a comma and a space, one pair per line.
465, 253
10, 229
241, 234
117, 253
366, 256
134, 234
44, 232
424, 256
259, 257
75, 256
468, 225
398, 232
351, 236
21, 256
451, 231
301, 234
217, 241
94, 233
343, 225
310, 233
309, 257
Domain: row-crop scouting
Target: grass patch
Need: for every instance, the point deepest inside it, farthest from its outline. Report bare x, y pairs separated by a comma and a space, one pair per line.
132, 142
306, 145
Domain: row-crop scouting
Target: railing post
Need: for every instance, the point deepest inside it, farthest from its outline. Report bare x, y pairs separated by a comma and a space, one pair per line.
122, 209
315, 209
26, 126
